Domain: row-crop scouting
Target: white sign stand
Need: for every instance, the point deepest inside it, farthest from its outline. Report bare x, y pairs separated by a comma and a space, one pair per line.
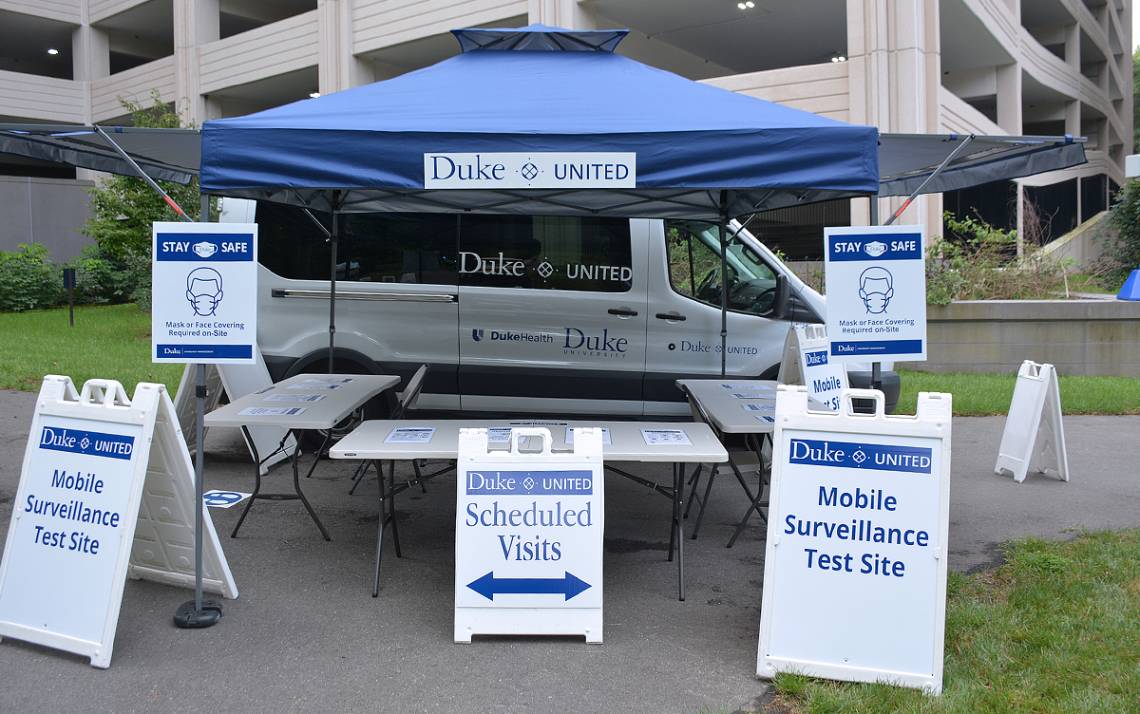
528, 537
1034, 435
806, 361
855, 561
106, 492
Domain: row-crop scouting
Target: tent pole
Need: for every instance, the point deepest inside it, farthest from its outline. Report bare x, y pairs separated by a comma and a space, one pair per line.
143, 175
333, 236
933, 174
877, 367
723, 283
198, 613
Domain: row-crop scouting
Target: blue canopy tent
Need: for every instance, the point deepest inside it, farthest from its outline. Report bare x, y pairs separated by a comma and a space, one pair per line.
697, 151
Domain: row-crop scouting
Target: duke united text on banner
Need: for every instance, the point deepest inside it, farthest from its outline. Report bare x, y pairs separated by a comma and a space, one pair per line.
535, 170
204, 293
876, 288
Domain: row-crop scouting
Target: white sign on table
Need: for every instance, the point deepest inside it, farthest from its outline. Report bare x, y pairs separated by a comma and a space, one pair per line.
855, 561
528, 537
806, 361
410, 435
106, 492
1034, 435
876, 289
204, 293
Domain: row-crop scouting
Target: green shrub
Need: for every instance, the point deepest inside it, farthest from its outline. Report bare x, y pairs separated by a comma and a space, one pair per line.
977, 261
103, 278
1125, 250
28, 280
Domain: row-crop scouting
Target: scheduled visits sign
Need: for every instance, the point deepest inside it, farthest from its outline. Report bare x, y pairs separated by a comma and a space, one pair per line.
528, 537
855, 566
876, 293
204, 293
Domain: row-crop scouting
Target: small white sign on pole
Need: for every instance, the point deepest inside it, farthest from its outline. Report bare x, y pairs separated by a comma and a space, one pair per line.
106, 492
807, 362
855, 561
876, 292
1034, 435
204, 293
528, 536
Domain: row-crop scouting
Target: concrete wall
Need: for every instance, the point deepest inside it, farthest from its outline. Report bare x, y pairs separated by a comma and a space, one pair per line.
1094, 337
42, 210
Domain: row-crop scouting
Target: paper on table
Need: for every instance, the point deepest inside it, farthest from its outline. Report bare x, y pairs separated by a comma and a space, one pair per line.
767, 408
294, 397
315, 385
331, 379
498, 435
605, 436
665, 437
766, 419
410, 435
271, 411
753, 395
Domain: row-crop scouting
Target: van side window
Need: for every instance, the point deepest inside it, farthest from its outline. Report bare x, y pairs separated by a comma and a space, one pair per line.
398, 248
546, 252
289, 244
695, 268
372, 247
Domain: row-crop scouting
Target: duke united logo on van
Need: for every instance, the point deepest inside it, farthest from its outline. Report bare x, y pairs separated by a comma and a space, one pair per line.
535, 170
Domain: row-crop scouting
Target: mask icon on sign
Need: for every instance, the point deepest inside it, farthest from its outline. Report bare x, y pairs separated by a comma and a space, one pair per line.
204, 290
876, 287
204, 249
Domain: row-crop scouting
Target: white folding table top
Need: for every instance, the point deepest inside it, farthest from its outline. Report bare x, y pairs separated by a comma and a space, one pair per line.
368, 441
735, 406
340, 395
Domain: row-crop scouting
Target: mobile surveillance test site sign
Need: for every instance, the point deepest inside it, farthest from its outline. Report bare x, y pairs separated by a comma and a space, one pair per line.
855, 564
204, 293
876, 290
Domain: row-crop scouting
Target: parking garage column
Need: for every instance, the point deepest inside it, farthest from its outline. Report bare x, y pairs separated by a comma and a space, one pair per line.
196, 22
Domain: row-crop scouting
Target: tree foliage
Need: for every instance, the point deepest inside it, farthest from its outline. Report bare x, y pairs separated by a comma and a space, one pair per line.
1125, 250
123, 207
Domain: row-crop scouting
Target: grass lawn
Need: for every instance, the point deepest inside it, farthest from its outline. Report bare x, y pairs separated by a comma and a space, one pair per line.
1055, 629
985, 394
108, 341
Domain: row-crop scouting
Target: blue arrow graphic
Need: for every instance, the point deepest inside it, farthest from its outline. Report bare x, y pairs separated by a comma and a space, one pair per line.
488, 586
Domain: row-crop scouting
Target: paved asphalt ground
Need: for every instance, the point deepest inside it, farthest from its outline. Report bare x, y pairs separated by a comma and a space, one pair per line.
306, 635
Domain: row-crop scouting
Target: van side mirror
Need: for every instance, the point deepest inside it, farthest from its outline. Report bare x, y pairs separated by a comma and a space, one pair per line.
781, 298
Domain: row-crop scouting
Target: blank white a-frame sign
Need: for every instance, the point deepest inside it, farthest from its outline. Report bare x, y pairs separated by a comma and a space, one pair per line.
1034, 435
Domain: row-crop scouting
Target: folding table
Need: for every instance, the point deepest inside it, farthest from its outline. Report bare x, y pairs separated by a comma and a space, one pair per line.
390, 440
736, 406
306, 401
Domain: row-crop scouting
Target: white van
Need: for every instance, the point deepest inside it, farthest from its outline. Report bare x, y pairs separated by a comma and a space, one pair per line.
546, 314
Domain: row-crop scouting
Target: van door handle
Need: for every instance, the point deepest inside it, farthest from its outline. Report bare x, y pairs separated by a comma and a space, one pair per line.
622, 312
675, 316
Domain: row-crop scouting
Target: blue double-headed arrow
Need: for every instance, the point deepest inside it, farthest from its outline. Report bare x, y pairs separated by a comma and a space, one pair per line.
488, 586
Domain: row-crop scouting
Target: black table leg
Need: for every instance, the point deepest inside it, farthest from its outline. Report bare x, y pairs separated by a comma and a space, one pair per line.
392, 508
679, 497
705, 500
297, 482
758, 501
256, 483
381, 522
297, 493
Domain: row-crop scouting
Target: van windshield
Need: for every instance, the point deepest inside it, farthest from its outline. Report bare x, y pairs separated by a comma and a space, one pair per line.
694, 267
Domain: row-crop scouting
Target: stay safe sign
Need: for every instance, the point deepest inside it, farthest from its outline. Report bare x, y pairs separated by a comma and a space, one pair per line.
876, 293
528, 537
204, 293
855, 562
